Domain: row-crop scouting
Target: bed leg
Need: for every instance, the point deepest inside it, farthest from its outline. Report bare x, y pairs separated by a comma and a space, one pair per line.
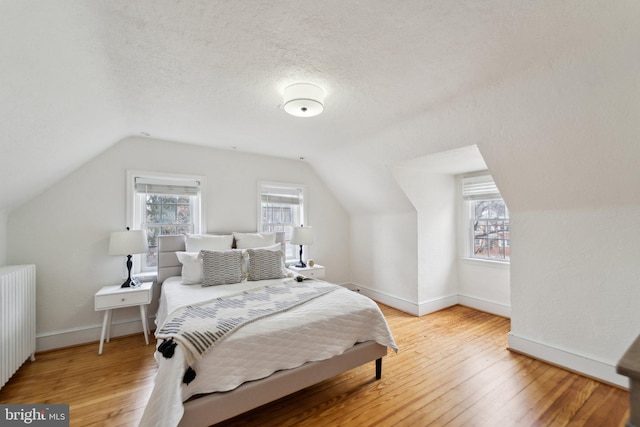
379, 368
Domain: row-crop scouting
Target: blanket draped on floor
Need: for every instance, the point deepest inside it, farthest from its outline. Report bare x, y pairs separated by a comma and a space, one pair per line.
199, 327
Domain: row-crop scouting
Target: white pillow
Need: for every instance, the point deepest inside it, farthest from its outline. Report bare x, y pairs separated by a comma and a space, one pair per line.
191, 267
254, 240
208, 242
276, 247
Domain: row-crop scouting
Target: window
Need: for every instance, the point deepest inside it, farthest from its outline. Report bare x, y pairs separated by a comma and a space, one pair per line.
281, 207
488, 219
164, 204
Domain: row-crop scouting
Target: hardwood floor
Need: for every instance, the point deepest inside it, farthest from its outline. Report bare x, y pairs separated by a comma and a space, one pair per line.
453, 369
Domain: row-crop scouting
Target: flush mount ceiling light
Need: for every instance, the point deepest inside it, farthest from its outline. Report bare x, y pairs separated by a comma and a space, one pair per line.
303, 100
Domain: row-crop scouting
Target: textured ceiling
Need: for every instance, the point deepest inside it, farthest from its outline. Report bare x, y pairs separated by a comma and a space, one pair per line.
78, 76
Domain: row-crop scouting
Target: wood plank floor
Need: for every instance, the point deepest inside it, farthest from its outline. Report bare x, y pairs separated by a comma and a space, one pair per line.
453, 369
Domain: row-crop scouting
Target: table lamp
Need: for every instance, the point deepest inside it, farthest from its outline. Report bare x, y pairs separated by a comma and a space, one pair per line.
127, 243
301, 236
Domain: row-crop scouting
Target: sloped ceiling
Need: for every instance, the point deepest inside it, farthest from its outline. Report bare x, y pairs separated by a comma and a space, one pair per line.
78, 76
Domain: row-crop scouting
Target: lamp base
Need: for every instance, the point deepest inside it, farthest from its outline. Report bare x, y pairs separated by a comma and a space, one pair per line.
301, 263
130, 283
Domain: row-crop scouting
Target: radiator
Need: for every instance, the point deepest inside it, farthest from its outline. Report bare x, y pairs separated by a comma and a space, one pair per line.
17, 318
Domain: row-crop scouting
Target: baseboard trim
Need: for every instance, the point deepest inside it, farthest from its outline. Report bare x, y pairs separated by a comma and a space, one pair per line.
76, 336
589, 367
437, 304
416, 309
485, 305
386, 299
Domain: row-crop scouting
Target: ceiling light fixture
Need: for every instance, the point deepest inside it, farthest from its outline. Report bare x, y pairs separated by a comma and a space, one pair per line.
303, 100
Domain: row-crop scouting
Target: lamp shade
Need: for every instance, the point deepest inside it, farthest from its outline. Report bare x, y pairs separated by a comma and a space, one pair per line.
302, 236
303, 100
128, 242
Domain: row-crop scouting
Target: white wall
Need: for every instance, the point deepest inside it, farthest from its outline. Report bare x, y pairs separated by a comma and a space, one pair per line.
65, 230
434, 197
383, 258
485, 286
577, 290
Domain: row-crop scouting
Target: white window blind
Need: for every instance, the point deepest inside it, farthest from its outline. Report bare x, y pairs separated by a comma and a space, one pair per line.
167, 186
280, 195
480, 188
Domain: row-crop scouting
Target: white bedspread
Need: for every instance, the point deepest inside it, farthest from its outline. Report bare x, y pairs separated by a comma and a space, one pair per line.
317, 330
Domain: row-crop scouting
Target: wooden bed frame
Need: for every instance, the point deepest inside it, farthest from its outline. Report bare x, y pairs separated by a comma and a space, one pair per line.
212, 408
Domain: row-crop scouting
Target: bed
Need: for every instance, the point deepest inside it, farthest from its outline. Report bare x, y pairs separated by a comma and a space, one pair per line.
266, 358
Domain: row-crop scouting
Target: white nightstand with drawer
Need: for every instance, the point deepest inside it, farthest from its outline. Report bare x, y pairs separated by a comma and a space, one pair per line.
315, 272
111, 297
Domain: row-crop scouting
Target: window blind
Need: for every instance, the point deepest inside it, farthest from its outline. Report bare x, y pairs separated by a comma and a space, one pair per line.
480, 188
278, 195
167, 186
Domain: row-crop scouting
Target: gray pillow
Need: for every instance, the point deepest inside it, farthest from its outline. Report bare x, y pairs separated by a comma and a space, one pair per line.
221, 267
265, 264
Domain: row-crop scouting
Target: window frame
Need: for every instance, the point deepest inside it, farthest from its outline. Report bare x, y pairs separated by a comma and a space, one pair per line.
291, 253
472, 236
488, 191
135, 204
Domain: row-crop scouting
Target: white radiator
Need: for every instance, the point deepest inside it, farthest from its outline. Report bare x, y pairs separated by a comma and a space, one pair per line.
17, 318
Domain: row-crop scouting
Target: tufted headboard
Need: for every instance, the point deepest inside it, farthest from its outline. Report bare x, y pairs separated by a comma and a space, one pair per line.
168, 264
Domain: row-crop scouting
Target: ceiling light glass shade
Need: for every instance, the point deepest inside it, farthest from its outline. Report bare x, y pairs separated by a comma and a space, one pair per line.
303, 100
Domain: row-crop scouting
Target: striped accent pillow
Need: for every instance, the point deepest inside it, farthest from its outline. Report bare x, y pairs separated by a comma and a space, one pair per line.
221, 267
266, 264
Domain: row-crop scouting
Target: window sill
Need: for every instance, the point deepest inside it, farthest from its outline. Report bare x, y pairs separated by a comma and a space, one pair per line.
501, 265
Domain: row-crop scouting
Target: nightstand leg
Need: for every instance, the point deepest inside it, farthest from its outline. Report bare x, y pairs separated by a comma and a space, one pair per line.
104, 329
143, 316
110, 312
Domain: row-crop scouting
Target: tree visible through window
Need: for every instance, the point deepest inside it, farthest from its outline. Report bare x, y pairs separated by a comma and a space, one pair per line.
490, 225
488, 219
166, 214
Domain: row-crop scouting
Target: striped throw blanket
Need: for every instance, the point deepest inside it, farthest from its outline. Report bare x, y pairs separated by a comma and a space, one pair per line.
198, 327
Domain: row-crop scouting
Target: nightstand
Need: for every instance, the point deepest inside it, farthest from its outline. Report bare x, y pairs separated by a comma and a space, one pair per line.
111, 297
315, 272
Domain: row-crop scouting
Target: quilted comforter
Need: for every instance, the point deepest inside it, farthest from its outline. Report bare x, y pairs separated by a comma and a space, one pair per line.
316, 330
